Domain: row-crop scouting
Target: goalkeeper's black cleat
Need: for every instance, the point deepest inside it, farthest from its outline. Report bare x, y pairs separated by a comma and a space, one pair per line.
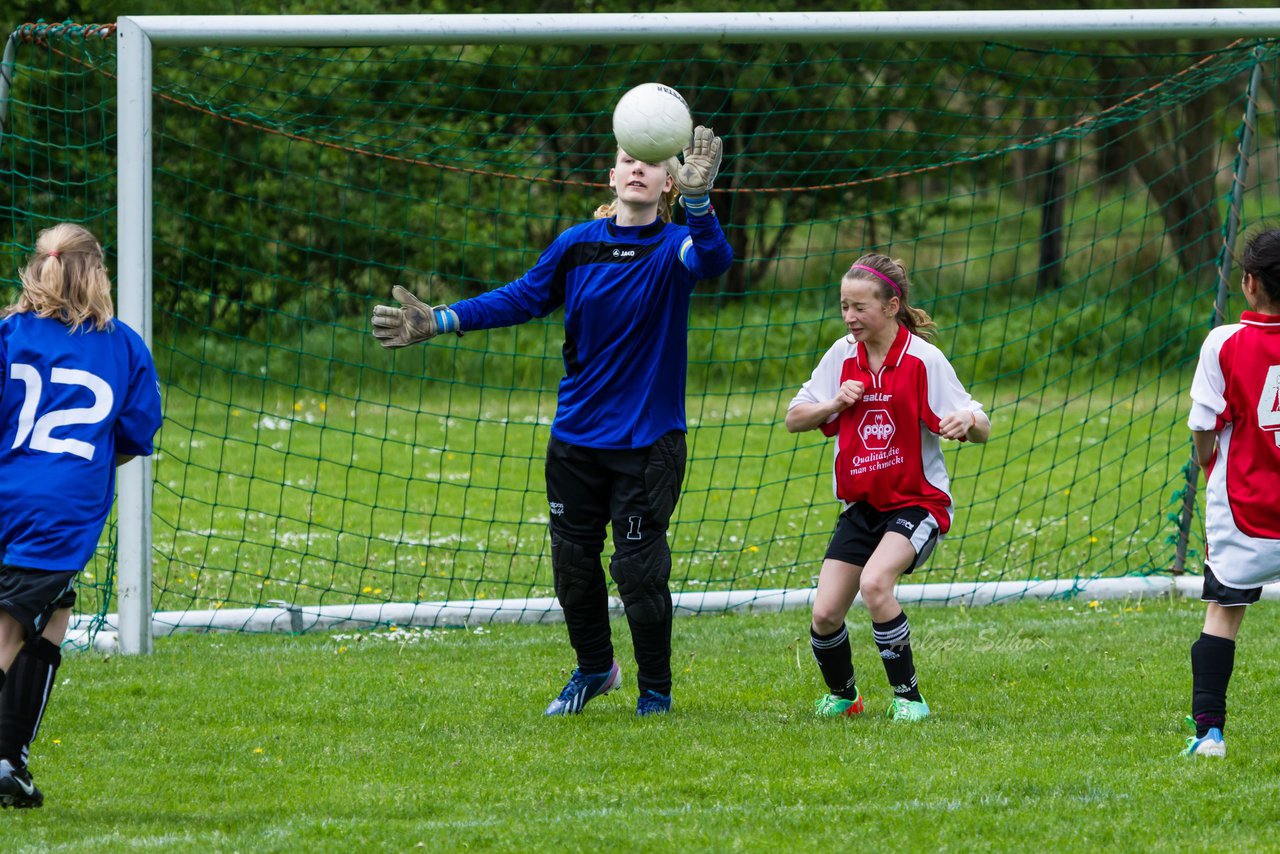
17, 789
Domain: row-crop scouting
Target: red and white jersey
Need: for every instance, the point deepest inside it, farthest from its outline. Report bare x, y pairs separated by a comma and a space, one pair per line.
888, 453
1236, 392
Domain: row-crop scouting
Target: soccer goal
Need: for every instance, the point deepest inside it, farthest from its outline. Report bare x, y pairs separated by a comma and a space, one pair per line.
1065, 187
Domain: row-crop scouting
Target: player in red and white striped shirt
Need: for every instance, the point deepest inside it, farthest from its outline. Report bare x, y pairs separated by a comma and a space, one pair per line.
887, 395
1235, 426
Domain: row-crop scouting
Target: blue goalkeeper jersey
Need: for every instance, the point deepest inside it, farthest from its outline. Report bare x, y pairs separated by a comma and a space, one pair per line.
626, 293
70, 400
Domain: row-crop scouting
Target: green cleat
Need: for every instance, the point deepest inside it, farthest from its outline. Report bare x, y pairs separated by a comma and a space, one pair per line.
831, 706
902, 709
1209, 744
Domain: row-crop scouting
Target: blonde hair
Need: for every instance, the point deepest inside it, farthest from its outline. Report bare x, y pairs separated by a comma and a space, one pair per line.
889, 269
66, 279
666, 204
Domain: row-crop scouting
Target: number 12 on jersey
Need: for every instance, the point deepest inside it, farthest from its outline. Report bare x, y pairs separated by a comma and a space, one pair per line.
39, 430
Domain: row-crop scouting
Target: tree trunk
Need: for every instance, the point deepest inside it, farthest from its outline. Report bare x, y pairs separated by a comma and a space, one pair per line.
1176, 157
1052, 205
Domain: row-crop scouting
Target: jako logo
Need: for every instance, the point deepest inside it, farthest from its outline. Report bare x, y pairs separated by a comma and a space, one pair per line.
910, 526
557, 509
876, 429
624, 253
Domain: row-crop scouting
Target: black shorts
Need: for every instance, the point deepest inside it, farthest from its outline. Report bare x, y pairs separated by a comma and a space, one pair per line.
635, 490
861, 527
1227, 597
31, 596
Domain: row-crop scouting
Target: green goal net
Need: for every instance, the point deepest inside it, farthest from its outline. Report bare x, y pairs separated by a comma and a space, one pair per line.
1062, 209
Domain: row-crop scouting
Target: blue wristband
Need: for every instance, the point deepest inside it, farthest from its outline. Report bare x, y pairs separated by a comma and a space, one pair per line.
446, 319
696, 205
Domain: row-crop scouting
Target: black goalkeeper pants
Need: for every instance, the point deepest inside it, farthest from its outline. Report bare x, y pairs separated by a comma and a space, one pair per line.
635, 491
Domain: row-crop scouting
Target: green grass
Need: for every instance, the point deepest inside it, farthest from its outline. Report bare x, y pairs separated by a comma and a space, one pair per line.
300, 462
433, 492
1056, 724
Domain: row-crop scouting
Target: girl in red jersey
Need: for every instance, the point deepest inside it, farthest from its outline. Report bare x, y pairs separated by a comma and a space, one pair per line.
886, 394
1235, 427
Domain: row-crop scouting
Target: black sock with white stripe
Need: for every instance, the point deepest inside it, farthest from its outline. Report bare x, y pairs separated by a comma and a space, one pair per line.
835, 660
893, 639
25, 696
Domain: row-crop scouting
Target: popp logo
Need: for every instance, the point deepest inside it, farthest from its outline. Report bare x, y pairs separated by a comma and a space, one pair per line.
876, 429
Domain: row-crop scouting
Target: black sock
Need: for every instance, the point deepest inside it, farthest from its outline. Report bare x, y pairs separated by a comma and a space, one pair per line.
1212, 660
893, 639
25, 696
652, 643
835, 660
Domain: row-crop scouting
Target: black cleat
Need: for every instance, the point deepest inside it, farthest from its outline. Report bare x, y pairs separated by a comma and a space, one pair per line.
17, 789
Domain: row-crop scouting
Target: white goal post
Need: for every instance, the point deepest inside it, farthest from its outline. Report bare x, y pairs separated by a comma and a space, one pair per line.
135, 37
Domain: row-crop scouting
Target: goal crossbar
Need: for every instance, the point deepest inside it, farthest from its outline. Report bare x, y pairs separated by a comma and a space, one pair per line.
700, 27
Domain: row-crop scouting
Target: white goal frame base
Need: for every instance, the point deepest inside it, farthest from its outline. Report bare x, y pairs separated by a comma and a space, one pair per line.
286, 618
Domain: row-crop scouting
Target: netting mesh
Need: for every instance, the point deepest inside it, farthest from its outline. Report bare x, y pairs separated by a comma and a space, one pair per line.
1061, 213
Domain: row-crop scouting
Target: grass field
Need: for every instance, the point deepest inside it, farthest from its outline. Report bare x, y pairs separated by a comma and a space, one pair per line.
1056, 725
435, 492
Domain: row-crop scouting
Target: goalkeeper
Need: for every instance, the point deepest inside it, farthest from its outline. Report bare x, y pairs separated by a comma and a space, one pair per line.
617, 448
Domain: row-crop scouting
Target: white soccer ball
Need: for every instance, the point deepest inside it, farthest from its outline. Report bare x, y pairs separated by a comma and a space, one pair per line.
652, 122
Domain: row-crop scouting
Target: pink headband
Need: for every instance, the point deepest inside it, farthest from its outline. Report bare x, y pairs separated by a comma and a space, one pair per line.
881, 276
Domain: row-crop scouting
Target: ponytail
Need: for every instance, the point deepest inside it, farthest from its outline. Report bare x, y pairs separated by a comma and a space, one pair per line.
66, 279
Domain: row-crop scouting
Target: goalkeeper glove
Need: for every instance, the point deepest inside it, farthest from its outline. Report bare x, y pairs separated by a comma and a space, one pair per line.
412, 321
694, 177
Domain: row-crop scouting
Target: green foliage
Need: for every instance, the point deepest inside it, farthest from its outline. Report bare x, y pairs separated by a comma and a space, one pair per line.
294, 187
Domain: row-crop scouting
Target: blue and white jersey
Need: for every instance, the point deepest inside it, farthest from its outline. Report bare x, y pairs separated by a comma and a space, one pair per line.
69, 402
626, 292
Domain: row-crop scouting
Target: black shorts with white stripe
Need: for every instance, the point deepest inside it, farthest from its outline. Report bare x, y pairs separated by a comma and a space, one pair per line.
1228, 597
861, 527
31, 596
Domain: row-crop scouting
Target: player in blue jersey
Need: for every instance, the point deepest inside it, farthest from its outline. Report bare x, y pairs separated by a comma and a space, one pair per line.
78, 397
617, 449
